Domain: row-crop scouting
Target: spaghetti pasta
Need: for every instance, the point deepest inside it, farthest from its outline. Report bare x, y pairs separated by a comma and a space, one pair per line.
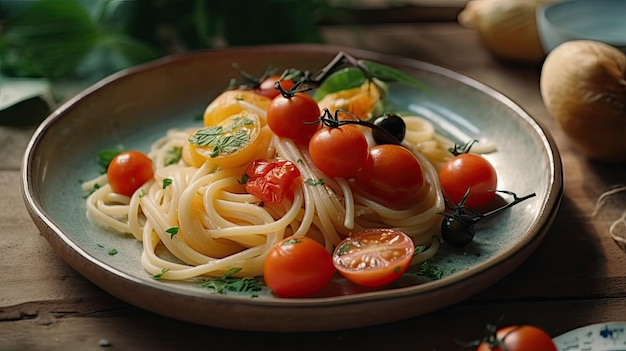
202, 222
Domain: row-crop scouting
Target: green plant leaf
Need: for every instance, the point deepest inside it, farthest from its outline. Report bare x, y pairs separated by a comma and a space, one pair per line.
389, 74
48, 39
346, 78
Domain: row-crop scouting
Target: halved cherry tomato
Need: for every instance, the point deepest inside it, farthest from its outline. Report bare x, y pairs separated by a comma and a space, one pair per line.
338, 151
288, 116
271, 181
468, 171
374, 257
297, 267
227, 104
128, 171
518, 338
391, 175
360, 101
267, 86
235, 141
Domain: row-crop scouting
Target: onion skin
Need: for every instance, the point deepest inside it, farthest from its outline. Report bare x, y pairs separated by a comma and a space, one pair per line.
508, 28
583, 86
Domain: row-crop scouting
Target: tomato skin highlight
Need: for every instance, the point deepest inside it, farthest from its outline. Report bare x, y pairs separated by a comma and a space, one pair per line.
468, 171
267, 86
519, 338
288, 116
297, 267
374, 257
340, 151
391, 175
128, 171
271, 181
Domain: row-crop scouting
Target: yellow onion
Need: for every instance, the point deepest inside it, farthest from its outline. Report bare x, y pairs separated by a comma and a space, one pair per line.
508, 28
583, 86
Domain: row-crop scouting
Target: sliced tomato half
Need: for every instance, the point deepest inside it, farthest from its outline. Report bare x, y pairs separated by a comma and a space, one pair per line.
375, 257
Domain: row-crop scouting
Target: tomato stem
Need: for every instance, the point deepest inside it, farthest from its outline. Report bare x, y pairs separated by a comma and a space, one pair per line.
293, 91
459, 149
333, 121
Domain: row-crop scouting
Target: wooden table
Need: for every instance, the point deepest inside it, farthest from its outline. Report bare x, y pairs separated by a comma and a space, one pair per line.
576, 277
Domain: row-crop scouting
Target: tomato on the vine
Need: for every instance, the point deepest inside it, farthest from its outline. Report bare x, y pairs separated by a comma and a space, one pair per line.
293, 116
374, 257
297, 267
338, 151
518, 338
128, 171
271, 181
267, 86
391, 175
468, 171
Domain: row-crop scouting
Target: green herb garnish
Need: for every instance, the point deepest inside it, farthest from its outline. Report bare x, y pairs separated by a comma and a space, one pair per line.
167, 182
172, 231
173, 155
314, 182
112, 252
227, 282
430, 271
105, 157
223, 140
160, 274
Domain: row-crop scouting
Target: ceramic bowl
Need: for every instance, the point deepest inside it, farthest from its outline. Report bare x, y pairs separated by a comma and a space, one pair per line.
599, 20
137, 106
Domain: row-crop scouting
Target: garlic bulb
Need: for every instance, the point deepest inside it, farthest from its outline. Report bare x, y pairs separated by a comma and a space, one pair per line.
583, 86
508, 28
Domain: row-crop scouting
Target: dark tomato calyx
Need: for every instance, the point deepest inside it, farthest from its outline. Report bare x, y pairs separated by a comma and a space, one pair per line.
459, 149
298, 87
458, 230
381, 135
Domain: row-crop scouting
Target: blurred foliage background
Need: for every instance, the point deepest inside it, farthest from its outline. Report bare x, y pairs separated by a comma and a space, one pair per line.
89, 39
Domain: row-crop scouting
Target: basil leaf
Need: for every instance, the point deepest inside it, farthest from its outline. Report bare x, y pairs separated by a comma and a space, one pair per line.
346, 78
388, 74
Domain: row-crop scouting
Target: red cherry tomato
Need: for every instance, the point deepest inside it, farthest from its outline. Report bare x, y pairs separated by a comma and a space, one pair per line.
128, 171
271, 181
518, 338
375, 257
297, 267
267, 87
288, 116
340, 151
391, 175
468, 171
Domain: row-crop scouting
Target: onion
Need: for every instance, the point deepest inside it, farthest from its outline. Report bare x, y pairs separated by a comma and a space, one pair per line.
508, 28
583, 87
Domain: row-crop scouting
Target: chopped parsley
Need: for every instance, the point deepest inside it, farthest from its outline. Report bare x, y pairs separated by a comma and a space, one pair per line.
173, 155
105, 157
167, 182
112, 252
244, 179
172, 231
223, 140
95, 187
313, 182
430, 271
160, 274
142, 193
227, 282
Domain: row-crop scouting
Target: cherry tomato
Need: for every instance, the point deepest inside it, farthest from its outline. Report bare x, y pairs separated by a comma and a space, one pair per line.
391, 175
271, 181
374, 257
338, 151
297, 267
128, 171
235, 141
518, 338
228, 104
267, 88
288, 116
468, 171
